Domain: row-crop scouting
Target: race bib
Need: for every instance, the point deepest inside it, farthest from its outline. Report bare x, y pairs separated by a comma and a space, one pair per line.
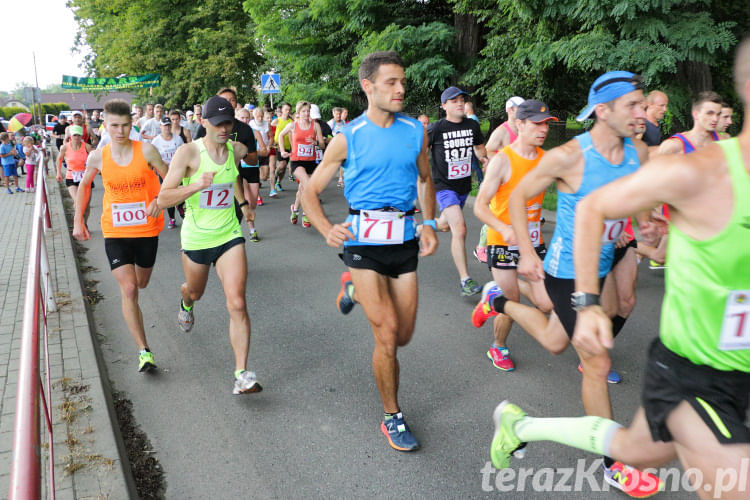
459, 169
305, 150
318, 154
385, 228
735, 328
613, 229
535, 232
217, 196
78, 175
129, 214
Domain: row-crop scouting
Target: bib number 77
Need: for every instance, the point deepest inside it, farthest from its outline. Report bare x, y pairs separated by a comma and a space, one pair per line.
735, 328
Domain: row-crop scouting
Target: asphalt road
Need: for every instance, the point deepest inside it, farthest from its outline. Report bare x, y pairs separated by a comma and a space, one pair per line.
314, 430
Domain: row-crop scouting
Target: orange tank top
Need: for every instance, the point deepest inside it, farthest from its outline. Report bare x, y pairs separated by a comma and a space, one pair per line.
519, 167
128, 190
75, 161
303, 143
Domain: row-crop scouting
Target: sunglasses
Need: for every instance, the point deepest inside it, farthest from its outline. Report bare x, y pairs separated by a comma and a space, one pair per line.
635, 80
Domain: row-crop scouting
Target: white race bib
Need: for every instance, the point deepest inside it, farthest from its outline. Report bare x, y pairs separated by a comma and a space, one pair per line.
458, 169
735, 328
77, 175
613, 229
217, 196
535, 232
377, 226
318, 154
305, 150
129, 214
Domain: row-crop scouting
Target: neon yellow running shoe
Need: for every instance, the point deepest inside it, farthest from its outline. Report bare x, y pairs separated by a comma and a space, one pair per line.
506, 443
146, 361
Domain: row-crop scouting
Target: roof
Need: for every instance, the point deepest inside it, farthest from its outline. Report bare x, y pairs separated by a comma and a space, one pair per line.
81, 100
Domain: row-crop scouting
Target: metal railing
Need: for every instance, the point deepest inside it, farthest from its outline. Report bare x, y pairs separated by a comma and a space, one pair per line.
25, 472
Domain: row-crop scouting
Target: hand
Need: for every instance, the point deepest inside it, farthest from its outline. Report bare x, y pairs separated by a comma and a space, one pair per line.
484, 161
206, 179
531, 267
284, 154
623, 240
338, 234
429, 241
593, 333
80, 231
509, 235
153, 210
651, 232
58, 177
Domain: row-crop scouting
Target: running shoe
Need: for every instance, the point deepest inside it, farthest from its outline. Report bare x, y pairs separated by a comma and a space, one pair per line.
171, 224
481, 254
652, 264
635, 483
254, 236
469, 288
500, 357
612, 378
181, 210
295, 214
272, 193
246, 383
305, 221
291, 177
146, 361
278, 187
19, 190
260, 201
340, 183
398, 434
185, 318
9, 191
417, 210
345, 299
505, 442
484, 310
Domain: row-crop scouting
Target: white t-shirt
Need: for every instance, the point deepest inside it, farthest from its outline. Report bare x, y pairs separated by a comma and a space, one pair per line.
167, 148
336, 128
151, 127
262, 128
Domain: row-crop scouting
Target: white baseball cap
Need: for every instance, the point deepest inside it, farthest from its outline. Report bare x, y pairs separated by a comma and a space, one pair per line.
314, 112
513, 102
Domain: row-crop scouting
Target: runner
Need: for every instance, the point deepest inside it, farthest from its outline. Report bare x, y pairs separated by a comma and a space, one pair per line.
337, 126
148, 116
251, 175
504, 172
177, 129
579, 166
204, 174
78, 119
151, 128
506, 132
281, 122
706, 110
385, 170
261, 127
305, 135
75, 153
131, 218
695, 395
725, 120
167, 144
656, 108
455, 140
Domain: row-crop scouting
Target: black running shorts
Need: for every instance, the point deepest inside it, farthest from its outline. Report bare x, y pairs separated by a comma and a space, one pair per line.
501, 257
388, 260
250, 174
620, 252
559, 291
138, 251
208, 256
719, 397
309, 166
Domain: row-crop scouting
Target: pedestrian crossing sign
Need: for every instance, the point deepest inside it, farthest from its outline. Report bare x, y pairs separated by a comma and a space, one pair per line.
270, 84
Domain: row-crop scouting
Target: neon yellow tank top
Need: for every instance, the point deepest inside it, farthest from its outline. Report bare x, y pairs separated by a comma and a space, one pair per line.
706, 311
280, 126
210, 220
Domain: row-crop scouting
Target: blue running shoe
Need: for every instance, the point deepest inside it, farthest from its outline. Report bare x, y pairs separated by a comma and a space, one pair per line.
612, 378
398, 434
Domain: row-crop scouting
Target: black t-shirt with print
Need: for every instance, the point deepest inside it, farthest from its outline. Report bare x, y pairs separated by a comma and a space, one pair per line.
452, 151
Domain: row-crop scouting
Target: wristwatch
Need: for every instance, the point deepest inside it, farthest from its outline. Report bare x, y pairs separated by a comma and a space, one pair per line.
582, 300
431, 223
244, 203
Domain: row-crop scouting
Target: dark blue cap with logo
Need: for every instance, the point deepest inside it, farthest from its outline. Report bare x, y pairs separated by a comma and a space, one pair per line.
451, 93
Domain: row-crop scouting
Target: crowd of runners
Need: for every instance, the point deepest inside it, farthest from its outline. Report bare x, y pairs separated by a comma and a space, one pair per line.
580, 286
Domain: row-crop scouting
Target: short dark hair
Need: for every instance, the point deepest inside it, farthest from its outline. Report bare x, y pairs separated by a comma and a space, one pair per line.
368, 69
281, 106
118, 107
725, 104
231, 90
175, 112
706, 96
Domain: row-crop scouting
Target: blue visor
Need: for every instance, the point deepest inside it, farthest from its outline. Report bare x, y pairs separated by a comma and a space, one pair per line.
609, 87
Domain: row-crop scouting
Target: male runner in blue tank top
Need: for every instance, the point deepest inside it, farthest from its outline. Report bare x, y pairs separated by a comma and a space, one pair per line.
706, 111
580, 166
384, 156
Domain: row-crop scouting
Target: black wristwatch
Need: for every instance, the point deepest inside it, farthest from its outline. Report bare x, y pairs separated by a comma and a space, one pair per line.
244, 203
582, 300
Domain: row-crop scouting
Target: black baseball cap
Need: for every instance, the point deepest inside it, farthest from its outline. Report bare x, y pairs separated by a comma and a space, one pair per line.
451, 93
165, 120
534, 110
218, 110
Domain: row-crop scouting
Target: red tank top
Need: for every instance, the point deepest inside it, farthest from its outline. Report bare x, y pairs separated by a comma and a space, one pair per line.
303, 143
76, 161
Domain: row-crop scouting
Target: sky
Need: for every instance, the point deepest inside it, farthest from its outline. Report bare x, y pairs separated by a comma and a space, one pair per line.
53, 49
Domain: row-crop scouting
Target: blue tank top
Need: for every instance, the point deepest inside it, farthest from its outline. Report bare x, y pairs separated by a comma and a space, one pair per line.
687, 146
597, 172
381, 168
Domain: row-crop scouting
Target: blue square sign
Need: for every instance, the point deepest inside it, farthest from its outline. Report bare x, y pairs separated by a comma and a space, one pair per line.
270, 84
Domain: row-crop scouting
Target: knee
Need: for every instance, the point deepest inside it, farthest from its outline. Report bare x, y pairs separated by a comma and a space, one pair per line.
545, 306
459, 231
596, 366
626, 304
129, 291
557, 347
236, 304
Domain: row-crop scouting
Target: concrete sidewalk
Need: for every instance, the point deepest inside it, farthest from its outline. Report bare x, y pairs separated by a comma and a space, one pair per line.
89, 461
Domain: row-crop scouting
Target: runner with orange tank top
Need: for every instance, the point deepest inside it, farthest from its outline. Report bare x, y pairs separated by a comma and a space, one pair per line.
131, 217
75, 154
504, 172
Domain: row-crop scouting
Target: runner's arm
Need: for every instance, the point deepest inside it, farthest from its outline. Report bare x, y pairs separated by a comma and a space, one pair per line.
333, 158
426, 194
262, 146
670, 146
154, 159
319, 136
650, 231
496, 140
60, 158
93, 165
481, 153
498, 172
172, 193
287, 131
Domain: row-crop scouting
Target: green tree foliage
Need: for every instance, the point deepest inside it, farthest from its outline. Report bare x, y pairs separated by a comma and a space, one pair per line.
197, 47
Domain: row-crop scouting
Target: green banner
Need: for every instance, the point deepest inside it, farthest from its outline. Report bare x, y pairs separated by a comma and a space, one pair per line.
122, 82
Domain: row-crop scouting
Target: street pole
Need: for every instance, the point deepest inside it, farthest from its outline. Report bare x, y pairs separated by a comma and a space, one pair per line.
33, 98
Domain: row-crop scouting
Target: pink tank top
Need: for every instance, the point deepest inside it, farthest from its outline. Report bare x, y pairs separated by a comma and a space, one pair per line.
513, 135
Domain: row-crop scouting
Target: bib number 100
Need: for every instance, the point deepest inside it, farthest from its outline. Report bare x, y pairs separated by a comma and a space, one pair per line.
217, 196
612, 230
128, 214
